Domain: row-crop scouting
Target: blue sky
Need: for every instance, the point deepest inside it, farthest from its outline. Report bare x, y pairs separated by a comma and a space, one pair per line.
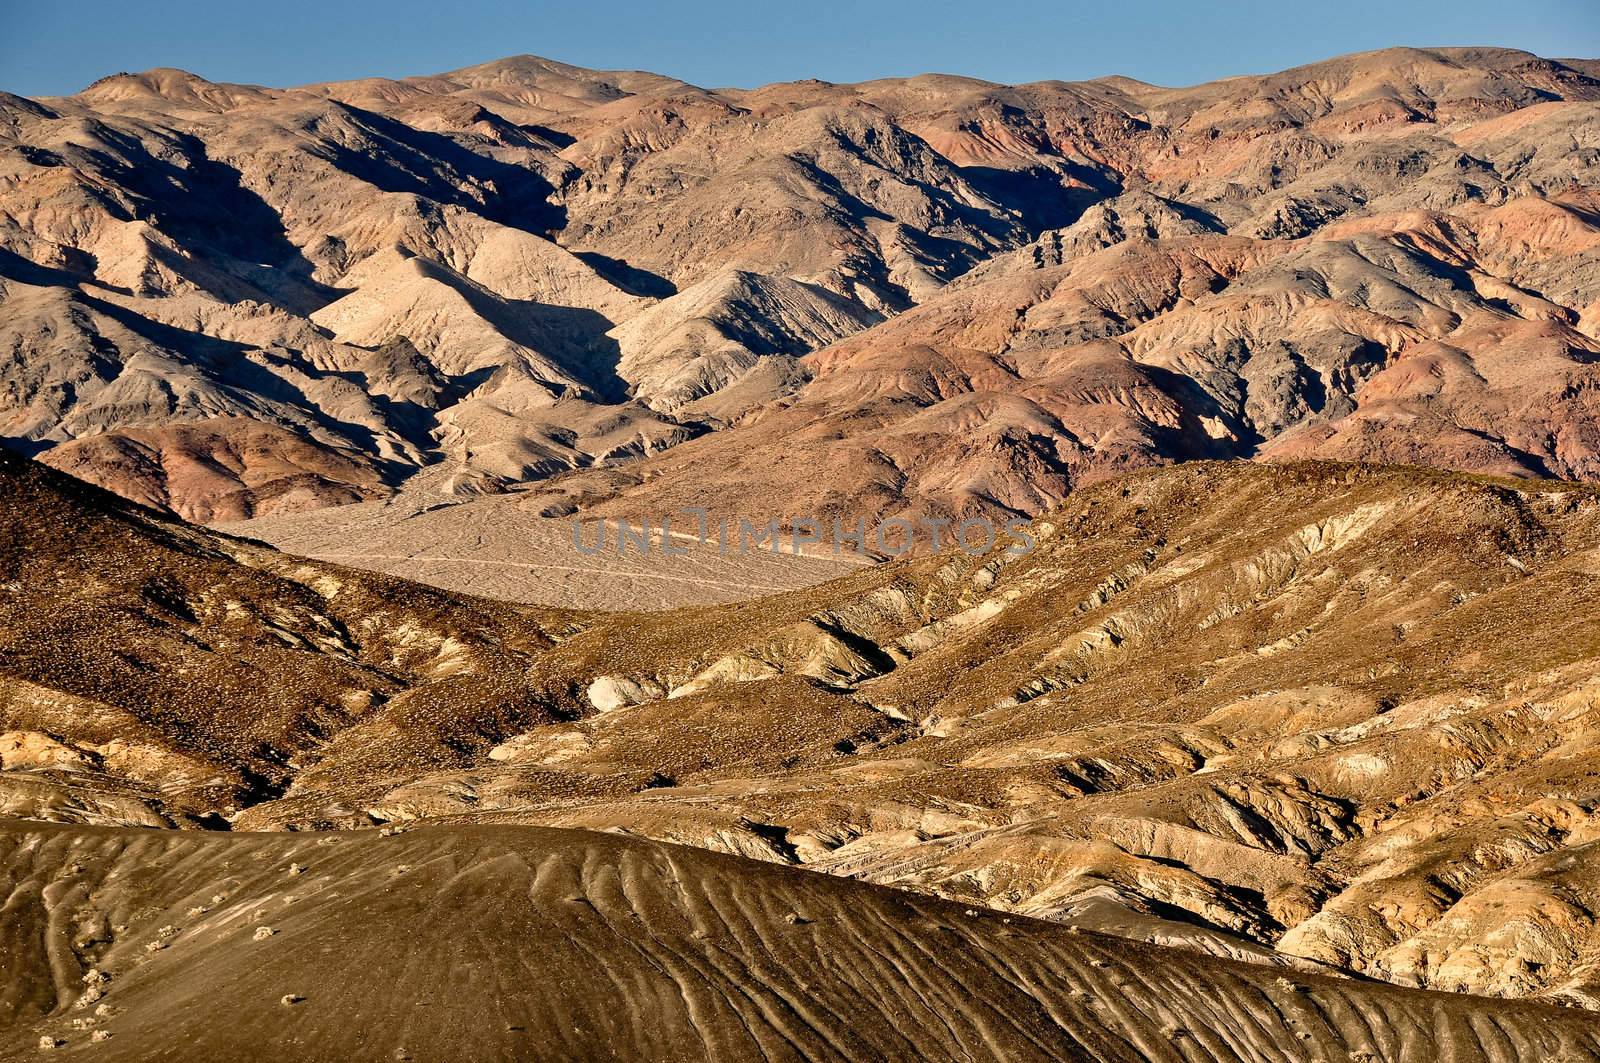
58, 46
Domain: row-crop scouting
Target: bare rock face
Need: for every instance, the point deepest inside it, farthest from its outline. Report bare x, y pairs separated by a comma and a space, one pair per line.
946, 296
609, 693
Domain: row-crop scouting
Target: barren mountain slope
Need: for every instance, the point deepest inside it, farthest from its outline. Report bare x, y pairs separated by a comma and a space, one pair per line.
1318, 716
1414, 337
532, 268
175, 674
219, 469
489, 943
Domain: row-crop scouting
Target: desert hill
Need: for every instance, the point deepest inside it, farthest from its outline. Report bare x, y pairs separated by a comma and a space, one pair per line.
507, 942
934, 295
192, 673
1320, 717
1268, 732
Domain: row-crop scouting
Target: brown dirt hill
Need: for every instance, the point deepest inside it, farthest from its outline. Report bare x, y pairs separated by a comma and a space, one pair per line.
190, 674
474, 943
1341, 712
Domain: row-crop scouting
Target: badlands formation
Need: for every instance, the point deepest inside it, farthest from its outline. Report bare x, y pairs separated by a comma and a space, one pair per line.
1241, 761
1280, 743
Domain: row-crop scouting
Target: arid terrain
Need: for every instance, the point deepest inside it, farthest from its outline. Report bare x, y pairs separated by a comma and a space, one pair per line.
499, 546
915, 296
1254, 759
1269, 731
526, 943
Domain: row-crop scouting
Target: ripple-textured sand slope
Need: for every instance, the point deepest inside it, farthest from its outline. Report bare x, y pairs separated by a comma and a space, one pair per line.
507, 943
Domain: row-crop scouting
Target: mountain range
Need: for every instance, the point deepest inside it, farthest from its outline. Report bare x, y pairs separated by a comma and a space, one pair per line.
919, 296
